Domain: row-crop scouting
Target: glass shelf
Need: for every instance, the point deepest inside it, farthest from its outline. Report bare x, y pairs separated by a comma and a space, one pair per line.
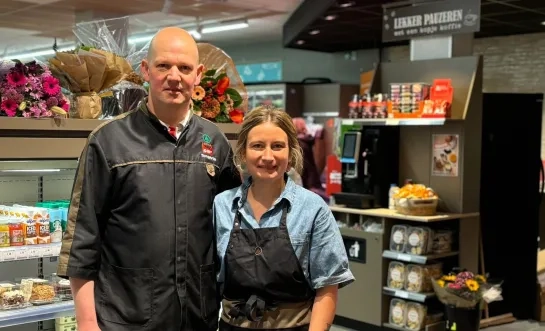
8, 254
36, 314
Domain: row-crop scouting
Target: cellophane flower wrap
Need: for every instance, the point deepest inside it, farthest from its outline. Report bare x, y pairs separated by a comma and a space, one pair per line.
99, 67
465, 290
221, 95
30, 90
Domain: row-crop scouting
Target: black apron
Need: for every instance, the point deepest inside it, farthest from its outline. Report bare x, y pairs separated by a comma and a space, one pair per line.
261, 271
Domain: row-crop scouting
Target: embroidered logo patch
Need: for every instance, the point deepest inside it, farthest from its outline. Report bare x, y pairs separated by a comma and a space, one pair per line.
206, 138
207, 149
210, 169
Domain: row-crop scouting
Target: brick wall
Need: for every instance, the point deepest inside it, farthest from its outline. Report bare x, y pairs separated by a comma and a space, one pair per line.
511, 64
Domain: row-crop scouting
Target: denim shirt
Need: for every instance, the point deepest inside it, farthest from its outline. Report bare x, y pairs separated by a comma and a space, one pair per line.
313, 231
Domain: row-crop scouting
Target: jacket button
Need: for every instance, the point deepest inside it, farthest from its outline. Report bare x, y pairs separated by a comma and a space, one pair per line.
179, 229
179, 258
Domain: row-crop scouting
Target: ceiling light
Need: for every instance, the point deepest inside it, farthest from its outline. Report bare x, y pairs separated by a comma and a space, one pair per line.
330, 17
543, 23
34, 54
300, 42
314, 32
225, 27
195, 33
346, 4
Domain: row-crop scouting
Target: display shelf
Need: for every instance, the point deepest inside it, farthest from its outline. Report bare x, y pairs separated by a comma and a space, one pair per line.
19, 253
419, 297
439, 326
387, 213
348, 232
36, 314
419, 259
57, 127
58, 138
394, 121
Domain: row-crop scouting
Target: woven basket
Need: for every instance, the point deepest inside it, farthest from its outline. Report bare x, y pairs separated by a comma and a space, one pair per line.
418, 207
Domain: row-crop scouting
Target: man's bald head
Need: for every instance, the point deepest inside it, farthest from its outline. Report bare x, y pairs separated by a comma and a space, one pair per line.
170, 35
172, 70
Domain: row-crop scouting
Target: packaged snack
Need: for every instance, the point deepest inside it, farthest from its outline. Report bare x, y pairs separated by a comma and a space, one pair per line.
396, 275
4, 233
419, 277
16, 233
29, 231
416, 314
398, 238
12, 299
42, 292
442, 241
6, 286
418, 240
398, 310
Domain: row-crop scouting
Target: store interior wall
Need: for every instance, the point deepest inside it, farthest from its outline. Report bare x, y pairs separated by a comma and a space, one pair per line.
341, 67
511, 64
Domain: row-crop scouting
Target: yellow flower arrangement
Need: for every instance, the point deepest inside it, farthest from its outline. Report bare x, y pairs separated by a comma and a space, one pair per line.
464, 289
449, 278
472, 285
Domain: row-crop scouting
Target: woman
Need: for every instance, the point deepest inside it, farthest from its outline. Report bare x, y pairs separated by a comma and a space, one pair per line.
283, 258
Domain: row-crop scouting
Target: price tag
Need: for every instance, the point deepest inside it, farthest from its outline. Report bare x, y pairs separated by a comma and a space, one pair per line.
401, 294
56, 250
47, 251
10, 255
392, 121
33, 253
404, 257
21, 254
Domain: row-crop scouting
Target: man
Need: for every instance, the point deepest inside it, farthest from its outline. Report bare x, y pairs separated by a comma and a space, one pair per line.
139, 248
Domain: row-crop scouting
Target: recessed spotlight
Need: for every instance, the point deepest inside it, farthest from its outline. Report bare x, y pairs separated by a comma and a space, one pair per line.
300, 42
314, 32
346, 4
330, 17
543, 23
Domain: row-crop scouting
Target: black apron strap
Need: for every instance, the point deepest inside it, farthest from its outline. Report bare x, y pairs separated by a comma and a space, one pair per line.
284, 217
237, 220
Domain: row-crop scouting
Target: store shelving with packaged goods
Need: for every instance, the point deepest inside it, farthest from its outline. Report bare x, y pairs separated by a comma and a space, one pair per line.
38, 159
399, 252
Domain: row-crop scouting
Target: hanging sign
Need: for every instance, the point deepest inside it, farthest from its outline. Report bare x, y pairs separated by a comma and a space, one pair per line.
442, 17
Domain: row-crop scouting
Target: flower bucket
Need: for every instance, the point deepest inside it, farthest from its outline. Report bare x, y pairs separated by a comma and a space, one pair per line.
462, 319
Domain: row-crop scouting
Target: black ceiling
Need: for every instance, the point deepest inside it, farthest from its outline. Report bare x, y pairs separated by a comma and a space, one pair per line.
359, 26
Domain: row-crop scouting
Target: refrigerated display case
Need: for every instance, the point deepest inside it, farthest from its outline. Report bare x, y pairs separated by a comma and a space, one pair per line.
288, 96
38, 161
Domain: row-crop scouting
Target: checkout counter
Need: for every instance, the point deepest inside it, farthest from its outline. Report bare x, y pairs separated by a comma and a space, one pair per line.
379, 152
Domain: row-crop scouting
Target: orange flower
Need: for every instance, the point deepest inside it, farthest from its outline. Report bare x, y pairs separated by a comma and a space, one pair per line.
223, 84
221, 98
236, 116
198, 93
210, 109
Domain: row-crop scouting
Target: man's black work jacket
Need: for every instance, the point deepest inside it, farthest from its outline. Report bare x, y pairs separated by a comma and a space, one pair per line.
140, 222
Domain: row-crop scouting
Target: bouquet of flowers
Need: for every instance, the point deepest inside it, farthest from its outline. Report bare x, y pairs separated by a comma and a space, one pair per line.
30, 90
214, 100
465, 289
221, 96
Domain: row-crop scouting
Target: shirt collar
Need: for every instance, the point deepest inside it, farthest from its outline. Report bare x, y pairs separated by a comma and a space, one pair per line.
144, 107
287, 194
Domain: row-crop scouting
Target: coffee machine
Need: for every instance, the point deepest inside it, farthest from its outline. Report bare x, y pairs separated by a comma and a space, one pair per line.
370, 164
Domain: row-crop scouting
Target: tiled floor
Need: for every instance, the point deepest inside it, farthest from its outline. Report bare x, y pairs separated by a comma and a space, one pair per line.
517, 326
